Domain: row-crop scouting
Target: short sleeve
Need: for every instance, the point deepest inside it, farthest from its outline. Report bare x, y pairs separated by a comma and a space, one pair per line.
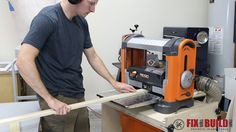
88, 43
40, 29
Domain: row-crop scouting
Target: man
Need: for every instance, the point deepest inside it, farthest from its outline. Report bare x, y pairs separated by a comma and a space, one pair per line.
50, 62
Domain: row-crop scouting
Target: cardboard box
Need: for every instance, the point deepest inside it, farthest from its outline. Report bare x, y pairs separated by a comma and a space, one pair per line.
6, 87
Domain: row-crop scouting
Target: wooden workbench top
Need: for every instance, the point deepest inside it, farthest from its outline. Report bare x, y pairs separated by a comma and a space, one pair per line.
148, 115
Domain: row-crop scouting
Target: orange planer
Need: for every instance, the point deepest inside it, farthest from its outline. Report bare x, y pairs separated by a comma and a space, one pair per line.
171, 78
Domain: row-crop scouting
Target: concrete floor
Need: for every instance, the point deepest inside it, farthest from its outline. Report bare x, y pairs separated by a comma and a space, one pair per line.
95, 123
95, 118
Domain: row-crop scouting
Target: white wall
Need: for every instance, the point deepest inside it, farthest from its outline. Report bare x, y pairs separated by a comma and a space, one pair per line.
8, 35
14, 25
113, 18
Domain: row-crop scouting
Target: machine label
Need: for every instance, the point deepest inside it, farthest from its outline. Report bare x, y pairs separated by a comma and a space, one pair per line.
144, 75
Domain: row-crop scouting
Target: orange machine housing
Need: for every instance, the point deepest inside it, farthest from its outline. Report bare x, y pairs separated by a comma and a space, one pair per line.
183, 59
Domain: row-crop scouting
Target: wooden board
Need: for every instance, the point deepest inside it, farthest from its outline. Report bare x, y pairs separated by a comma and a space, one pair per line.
73, 106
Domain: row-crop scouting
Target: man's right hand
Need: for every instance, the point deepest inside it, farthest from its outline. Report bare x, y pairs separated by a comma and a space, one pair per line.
60, 107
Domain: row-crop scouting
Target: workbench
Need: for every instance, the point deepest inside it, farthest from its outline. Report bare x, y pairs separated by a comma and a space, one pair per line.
117, 118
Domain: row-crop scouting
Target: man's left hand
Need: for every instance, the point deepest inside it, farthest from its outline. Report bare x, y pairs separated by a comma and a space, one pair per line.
123, 87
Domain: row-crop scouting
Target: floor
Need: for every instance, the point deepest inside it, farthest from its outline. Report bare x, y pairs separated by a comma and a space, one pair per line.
95, 118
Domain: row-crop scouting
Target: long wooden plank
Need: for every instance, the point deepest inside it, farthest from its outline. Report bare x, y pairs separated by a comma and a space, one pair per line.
73, 106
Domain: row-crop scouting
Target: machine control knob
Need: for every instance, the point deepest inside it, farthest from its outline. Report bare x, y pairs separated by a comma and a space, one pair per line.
218, 111
171, 128
136, 28
186, 79
132, 30
188, 94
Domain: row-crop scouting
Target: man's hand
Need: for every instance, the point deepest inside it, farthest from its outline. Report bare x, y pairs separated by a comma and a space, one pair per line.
60, 107
123, 87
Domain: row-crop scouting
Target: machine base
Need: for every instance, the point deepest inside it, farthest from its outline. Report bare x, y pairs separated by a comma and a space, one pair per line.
167, 108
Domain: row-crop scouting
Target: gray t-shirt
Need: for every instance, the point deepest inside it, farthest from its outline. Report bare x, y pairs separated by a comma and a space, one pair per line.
61, 43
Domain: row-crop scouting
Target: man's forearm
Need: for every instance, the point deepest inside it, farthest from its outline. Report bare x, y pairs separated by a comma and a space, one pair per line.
101, 69
30, 74
98, 65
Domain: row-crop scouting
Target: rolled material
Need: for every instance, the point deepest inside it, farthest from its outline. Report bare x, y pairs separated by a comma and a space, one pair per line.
210, 87
73, 106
